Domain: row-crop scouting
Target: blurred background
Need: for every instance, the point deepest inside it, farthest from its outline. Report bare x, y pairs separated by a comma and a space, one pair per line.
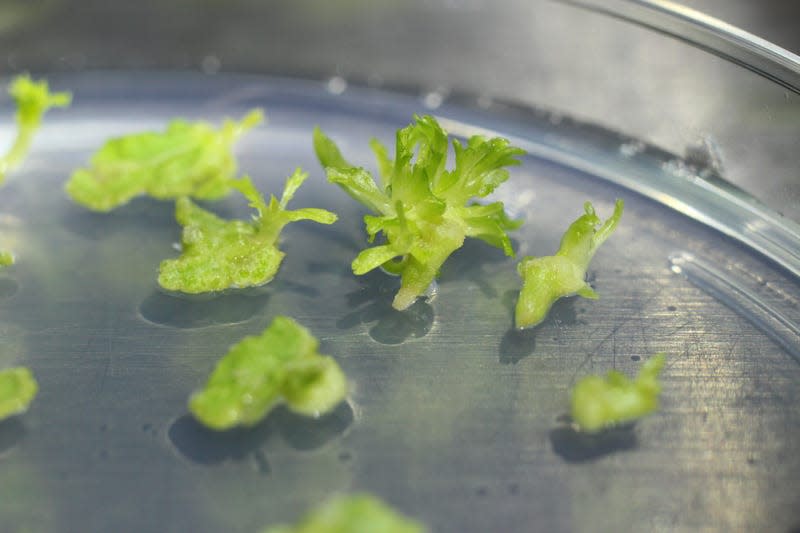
549, 54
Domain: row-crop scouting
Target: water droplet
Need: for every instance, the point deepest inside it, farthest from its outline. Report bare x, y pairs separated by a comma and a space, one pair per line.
187, 313
432, 291
433, 100
210, 64
303, 433
671, 308
203, 446
336, 85
394, 327
578, 447
677, 261
631, 148
516, 345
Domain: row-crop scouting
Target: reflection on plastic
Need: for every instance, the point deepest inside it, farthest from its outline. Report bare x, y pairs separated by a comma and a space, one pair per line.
179, 312
207, 447
304, 433
577, 447
516, 345
373, 303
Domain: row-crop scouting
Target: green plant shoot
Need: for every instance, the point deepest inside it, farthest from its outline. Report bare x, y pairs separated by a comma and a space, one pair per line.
423, 210
546, 279
188, 159
359, 513
280, 365
33, 99
17, 390
220, 254
599, 403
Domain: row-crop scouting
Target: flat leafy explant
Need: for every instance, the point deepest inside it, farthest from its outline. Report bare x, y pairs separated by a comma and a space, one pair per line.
598, 403
188, 159
220, 254
33, 99
360, 513
424, 210
281, 364
546, 279
17, 390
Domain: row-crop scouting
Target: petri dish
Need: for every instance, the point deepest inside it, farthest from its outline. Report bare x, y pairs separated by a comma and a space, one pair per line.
454, 417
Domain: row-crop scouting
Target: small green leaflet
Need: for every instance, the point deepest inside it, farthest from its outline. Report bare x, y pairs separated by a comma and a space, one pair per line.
33, 99
546, 279
281, 364
188, 159
17, 390
359, 513
221, 254
599, 403
423, 210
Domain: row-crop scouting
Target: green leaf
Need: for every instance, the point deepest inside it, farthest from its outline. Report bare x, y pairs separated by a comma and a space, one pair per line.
17, 390
599, 403
358, 183
480, 168
220, 254
372, 258
385, 164
546, 279
188, 159
490, 223
358, 513
327, 151
280, 365
33, 99
423, 209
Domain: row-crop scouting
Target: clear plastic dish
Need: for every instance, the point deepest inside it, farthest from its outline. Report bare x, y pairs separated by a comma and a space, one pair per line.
454, 417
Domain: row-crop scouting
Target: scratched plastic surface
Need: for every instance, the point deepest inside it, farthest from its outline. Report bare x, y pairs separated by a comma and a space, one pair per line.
453, 418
